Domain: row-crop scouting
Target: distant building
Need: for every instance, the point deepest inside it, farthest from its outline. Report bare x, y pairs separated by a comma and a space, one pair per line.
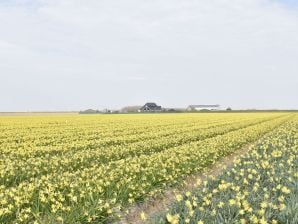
150, 107
203, 107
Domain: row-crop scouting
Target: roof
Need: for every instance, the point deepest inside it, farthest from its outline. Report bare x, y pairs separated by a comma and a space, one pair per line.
151, 105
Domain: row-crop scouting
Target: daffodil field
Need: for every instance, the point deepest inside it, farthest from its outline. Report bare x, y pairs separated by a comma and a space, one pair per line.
90, 168
261, 187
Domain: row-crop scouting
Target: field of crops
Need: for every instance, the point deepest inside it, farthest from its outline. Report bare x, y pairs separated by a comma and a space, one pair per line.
261, 187
90, 168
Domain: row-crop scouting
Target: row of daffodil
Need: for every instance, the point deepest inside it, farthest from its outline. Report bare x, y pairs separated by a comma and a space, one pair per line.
261, 187
18, 168
55, 131
87, 132
98, 192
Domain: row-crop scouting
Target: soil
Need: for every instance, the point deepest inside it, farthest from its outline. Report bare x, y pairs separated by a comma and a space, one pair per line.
155, 206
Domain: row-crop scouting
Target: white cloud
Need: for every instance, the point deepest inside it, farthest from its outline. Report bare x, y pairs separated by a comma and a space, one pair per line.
233, 52
5, 44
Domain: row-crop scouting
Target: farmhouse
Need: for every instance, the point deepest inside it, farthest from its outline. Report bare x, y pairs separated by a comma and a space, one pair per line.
150, 107
203, 107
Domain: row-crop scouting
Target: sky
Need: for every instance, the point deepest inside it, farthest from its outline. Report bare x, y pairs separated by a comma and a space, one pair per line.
58, 55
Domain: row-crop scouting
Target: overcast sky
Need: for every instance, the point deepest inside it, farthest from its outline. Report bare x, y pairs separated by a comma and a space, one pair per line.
79, 54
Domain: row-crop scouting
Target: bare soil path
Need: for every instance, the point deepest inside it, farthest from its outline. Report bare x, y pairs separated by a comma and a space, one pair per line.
154, 206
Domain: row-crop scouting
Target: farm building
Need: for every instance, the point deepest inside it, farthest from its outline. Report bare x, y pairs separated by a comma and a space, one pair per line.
203, 107
150, 107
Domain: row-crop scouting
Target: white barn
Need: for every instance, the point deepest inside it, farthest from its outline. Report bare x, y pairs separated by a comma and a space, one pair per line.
203, 107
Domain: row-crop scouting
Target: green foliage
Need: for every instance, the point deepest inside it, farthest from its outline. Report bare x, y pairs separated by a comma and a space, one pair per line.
261, 187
